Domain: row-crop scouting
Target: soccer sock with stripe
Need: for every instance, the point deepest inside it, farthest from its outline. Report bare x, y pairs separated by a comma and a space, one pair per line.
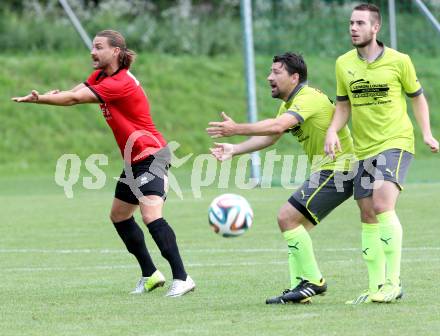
165, 240
372, 253
391, 237
133, 238
301, 253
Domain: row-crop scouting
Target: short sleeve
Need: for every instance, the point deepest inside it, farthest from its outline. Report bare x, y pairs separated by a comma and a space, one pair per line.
408, 78
92, 80
341, 90
281, 109
108, 90
300, 110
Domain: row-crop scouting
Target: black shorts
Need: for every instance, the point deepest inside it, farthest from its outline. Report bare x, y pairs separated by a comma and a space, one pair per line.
322, 192
146, 177
390, 165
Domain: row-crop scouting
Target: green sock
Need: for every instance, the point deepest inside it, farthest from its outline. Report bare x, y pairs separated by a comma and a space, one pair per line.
295, 271
301, 256
391, 237
373, 255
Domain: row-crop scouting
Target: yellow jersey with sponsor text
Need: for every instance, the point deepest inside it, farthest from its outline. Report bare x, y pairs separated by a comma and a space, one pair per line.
314, 111
376, 92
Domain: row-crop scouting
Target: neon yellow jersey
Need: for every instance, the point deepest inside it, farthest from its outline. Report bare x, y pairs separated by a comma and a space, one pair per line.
377, 96
314, 111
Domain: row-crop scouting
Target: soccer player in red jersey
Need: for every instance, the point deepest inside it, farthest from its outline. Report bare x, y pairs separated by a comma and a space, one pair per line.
143, 182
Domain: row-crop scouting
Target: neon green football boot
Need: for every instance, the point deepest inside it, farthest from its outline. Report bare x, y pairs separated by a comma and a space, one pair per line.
389, 292
147, 284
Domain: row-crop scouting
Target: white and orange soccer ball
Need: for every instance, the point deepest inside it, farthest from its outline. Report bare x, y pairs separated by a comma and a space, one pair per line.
230, 215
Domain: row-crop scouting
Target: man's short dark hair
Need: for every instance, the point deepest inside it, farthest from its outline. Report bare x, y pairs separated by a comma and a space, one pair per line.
293, 63
373, 9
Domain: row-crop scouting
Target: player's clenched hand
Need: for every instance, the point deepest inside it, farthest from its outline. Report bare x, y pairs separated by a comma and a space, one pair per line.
332, 144
30, 98
224, 128
222, 151
432, 143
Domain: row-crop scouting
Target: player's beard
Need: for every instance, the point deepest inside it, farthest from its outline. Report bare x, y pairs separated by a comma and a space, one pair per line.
363, 44
276, 93
96, 64
99, 63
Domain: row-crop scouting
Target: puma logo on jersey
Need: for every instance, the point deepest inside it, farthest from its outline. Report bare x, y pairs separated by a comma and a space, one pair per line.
351, 73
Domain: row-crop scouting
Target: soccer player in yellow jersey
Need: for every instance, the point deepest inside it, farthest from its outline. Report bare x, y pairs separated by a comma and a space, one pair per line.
372, 81
306, 114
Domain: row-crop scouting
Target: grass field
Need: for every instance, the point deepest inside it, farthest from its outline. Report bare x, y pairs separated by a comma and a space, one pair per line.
65, 272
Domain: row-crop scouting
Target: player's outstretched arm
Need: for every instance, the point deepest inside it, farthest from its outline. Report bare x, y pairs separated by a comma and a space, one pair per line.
78, 87
52, 92
64, 98
225, 151
74, 89
340, 119
421, 112
229, 127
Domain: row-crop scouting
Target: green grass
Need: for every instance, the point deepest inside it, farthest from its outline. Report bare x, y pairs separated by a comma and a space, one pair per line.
185, 93
65, 272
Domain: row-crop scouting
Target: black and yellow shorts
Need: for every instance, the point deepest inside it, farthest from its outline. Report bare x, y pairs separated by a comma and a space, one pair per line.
389, 165
322, 192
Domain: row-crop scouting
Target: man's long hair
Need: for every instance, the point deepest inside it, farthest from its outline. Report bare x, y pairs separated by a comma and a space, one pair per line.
115, 39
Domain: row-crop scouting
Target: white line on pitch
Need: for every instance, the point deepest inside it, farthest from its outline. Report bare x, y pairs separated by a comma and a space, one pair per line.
245, 264
206, 251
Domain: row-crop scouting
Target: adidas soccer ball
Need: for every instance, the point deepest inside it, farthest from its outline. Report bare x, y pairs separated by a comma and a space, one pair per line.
230, 215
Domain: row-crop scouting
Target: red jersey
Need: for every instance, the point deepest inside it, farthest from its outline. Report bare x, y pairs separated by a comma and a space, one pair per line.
125, 107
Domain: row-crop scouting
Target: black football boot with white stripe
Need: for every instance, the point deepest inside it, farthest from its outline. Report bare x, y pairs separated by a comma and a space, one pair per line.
300, 294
